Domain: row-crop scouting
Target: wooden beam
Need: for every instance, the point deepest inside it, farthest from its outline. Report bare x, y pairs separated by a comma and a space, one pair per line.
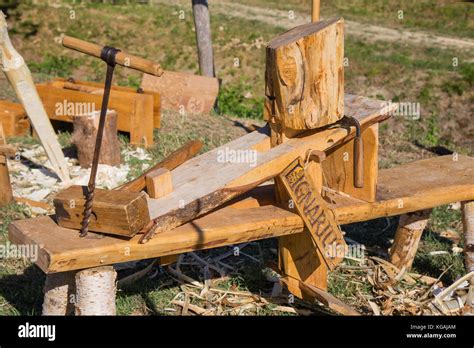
134, 110
415, 186
20, 78
98, 88
114, 212
408, 236
61, 249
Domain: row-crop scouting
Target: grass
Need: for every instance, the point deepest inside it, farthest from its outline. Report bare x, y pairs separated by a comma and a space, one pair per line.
448, 17
396, 71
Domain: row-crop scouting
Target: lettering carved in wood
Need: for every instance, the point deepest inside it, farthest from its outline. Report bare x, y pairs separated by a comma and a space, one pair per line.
315, 212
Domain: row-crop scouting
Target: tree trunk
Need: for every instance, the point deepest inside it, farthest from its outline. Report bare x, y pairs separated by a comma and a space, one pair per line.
95, 291
59, 291
202, 25
84, 136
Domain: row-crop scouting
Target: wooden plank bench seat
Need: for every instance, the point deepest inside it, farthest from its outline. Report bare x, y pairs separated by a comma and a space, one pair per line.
411, 187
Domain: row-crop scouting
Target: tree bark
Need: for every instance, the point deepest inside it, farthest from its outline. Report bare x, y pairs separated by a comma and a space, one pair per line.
468, 229
59, 291
84, 137
202, 25
96, 291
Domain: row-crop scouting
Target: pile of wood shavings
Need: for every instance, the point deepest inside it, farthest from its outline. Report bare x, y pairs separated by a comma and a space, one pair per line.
397, 292
31, 178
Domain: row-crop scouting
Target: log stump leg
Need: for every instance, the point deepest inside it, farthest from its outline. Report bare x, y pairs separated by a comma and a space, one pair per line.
407, 238
468, 229
59, 290
96, 291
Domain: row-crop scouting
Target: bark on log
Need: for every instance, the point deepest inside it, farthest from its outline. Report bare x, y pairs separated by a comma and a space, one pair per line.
468, 229
59, 293
202, 25
96, 291
84, 137
407, 238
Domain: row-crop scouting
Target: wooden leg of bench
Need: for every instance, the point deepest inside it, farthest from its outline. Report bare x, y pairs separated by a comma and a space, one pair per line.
407, 238
59, 290
301, 261
95, 291
468, 229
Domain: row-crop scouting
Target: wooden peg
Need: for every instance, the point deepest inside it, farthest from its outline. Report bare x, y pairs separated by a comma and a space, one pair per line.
159, 183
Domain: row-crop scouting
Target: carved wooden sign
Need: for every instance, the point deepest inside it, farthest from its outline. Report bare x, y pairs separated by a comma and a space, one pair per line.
316, 213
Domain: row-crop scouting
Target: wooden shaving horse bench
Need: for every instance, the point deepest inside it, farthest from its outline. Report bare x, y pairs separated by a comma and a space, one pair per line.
409, 190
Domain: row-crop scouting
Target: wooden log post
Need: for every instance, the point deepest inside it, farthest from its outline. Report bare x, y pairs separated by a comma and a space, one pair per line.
202, 25
59, 293
468, 229
96, 291
6, 193
84, 136
304, 90
407, 238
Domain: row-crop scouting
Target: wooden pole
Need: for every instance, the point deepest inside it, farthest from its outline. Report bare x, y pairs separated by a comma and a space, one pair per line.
96, 291
407, 238
315, 11
59, 291
202, 25
19, 76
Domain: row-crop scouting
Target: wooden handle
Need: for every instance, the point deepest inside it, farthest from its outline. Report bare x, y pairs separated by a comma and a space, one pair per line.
315, 11
358, 162
122, 58
172, 161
